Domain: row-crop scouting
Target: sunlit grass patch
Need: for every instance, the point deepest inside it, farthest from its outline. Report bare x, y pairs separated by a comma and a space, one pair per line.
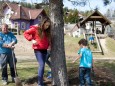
71, 45
25, 69
110, 43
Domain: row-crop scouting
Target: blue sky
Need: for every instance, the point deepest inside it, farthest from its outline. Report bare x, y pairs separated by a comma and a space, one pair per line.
93, 4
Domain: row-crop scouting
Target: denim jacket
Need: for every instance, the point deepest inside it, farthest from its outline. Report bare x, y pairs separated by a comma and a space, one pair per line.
6, 39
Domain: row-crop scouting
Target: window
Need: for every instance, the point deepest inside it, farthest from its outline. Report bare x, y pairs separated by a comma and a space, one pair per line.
9, 25
15, 25
15, 13
7, 15
23, 25
22, 14
39, 18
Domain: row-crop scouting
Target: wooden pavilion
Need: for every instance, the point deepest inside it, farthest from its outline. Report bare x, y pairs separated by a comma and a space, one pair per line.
96, 16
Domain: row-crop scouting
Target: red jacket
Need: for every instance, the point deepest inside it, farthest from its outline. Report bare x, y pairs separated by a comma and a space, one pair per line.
32, 34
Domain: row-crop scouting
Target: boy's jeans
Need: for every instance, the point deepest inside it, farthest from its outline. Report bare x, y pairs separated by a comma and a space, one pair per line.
84, 76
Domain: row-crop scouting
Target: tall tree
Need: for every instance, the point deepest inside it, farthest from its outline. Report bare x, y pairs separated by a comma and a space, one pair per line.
84, 2
57, 43
113, 14
106, 2
108, 13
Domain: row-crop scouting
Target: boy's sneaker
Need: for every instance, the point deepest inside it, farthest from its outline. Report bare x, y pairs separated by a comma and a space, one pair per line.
49, 75
4, 82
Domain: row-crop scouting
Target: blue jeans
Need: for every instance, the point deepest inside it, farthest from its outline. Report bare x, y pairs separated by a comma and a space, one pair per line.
84, 76
41, 58
47, 59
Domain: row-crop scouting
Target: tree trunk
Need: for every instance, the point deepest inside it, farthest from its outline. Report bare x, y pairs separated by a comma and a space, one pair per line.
58, 61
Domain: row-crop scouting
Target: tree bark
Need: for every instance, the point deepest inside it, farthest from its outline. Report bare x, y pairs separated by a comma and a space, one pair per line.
58, 59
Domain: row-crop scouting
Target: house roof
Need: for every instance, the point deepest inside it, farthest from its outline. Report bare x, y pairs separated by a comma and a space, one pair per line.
34, 13
75, 28
12, 6
96, 16
21, 12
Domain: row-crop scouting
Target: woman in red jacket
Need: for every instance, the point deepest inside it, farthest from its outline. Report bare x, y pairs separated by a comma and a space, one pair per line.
40, 36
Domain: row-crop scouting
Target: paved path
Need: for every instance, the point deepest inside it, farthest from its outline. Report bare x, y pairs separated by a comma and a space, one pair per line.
23, 47
103, 44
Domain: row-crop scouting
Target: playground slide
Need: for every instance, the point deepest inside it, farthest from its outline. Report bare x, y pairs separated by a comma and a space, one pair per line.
96, 42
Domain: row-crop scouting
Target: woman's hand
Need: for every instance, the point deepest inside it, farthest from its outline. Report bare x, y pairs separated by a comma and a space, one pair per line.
34, 42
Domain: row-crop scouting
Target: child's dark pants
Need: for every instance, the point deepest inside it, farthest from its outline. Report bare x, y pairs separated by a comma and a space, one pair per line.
84, 76
7, 59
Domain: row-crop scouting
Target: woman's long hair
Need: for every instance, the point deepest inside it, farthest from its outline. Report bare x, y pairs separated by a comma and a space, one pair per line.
41, 29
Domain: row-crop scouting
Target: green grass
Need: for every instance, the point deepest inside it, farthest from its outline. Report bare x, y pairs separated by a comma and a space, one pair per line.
104, 70
29, 69
108, 64
25, 70
71, 45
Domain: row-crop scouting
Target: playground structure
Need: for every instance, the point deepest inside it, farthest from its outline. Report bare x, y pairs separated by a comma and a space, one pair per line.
96, 26
96, 43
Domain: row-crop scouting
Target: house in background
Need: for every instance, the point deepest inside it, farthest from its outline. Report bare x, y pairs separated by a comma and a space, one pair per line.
76, 31
21, 18
1, 17
73, 30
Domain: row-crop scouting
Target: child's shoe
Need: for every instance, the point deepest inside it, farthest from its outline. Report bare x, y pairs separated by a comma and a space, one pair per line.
49, 75
5, 82
13, 79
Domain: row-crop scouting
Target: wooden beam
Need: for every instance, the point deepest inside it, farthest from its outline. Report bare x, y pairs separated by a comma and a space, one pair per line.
96, 17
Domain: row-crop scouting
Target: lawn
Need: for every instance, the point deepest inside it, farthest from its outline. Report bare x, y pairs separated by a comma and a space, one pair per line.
104, 68
26, 69
104, 71
71, 47
103, 75
110, 44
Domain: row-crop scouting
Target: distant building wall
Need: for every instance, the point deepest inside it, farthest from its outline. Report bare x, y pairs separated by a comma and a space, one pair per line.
7, 14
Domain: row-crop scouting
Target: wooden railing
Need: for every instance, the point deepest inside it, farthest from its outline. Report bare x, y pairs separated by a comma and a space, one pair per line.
14, 31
